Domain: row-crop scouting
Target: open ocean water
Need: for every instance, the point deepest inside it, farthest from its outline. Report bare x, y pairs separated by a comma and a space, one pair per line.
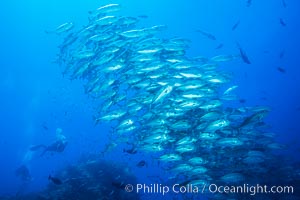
195, 99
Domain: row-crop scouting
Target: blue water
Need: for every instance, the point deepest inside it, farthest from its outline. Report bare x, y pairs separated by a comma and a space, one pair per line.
36, 99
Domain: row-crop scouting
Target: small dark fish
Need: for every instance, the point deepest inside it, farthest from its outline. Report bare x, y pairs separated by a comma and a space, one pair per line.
219, 46
282, 22
130, 151
243, 54
143, 16
142, 163
249, 3
45, 127
242, 100
281, 55
264, 98
55, 180
118, 185
208, 35
235, 25
282, 70
284, 3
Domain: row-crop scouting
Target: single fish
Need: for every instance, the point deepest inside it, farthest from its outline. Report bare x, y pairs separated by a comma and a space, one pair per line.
55, 180
282, 22
208, 35
219, 46
222, 58
130, 151
162, 94
282, 53
249, 3
62, 28
284, 3
243, 54
142, 163
103, 10
235, 25
118, 185
170, 157
143, 16
242, 100
230, 89
45, 127
280, 69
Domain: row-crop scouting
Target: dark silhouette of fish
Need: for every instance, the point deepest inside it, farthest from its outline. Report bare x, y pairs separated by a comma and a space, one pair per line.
142, 163
55, 180
208, 35
235, 25
130, 151
280, 69
282, 22
243, 54
249, 3
219, 46
281, 55
284, 3
242, 100
263, 98
118, 185
143, 16
45, 127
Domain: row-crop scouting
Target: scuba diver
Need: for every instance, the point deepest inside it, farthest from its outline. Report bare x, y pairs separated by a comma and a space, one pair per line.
58, 146
23, 172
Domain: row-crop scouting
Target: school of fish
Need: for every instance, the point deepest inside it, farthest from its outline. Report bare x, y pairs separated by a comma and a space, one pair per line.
168, 104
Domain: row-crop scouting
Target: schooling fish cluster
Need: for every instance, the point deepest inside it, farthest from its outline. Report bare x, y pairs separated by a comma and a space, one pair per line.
164, 102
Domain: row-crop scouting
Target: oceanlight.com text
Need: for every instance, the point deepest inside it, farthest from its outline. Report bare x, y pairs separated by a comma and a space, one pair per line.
250, 189
209, 188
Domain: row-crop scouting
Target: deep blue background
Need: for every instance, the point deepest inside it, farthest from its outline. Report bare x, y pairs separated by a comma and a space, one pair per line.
34, 94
